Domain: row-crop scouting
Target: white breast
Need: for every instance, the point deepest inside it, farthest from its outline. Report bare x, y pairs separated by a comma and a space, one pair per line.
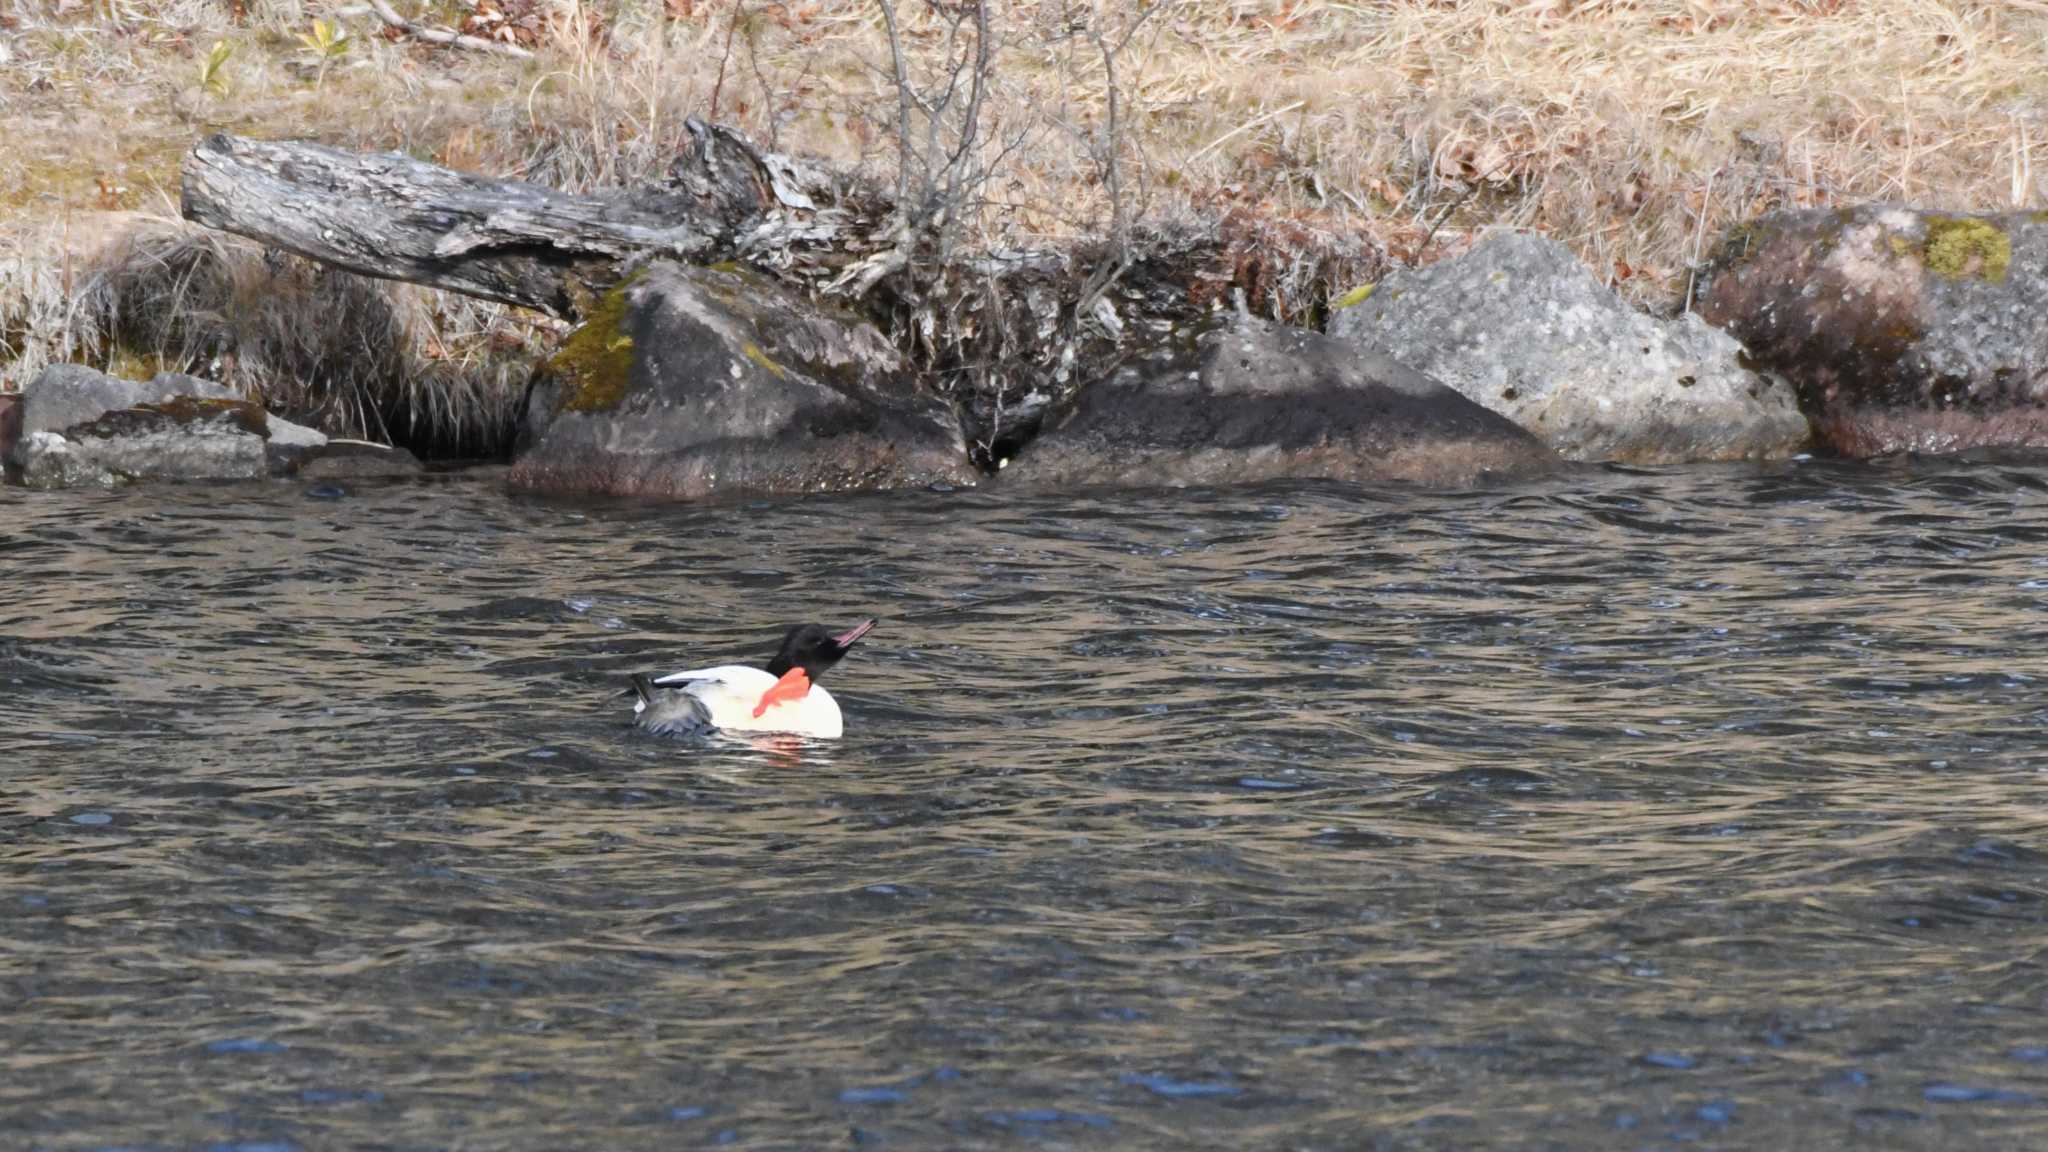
730, 693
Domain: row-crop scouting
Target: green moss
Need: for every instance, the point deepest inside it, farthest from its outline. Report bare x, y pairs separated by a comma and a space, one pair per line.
1960, 246
1355, 296
753, 352
595, 362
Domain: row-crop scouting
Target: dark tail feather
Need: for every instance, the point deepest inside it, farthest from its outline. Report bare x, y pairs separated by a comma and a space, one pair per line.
643, 686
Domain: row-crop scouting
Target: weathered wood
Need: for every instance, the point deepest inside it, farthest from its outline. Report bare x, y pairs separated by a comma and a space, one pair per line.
391, 216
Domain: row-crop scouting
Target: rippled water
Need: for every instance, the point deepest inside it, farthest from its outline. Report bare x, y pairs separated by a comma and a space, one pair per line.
1702, 808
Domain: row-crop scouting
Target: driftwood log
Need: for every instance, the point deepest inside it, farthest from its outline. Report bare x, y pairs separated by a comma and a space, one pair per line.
391, 216
1007, 334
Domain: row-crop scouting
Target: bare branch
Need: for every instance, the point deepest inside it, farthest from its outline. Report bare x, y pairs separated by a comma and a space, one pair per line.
739, 11
448, 36
904, 100
970, 127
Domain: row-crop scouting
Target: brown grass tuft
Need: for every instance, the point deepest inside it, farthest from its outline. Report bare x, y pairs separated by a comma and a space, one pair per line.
353, 356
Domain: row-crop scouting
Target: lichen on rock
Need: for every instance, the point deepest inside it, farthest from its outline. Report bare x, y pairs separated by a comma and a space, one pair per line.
1959, 246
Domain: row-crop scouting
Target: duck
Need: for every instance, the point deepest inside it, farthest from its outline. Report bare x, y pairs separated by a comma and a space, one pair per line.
784, 697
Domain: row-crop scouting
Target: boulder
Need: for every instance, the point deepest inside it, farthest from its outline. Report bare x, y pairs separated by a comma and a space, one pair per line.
184, 438
1901, 329
1245, 399
66, 395
1520, 326
687, 382
79, 426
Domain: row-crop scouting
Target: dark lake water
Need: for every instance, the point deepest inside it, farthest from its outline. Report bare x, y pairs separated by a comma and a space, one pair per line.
1705, 808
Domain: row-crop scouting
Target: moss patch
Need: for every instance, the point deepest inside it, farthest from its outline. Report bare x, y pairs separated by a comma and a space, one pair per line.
595, 362
753, 352
1355, 296
1958, 247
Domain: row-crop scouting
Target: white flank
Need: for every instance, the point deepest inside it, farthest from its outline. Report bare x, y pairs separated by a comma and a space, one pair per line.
731, 692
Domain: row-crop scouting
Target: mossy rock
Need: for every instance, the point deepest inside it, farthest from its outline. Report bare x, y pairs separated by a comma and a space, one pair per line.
761, 360
1922, 337
693, 382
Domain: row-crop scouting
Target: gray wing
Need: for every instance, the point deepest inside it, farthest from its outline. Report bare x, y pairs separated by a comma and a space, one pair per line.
668, 711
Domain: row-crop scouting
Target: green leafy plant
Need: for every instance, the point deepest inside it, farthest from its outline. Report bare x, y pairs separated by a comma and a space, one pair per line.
213, 77
328, 43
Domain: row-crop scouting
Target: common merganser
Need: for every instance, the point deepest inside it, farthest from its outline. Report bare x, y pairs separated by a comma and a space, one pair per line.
784, 697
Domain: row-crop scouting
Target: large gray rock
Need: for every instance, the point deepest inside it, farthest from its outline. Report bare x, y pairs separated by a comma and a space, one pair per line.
79, 426
184, 438
1247, 399
1519, 325
66, 395
1902, 329
692, 382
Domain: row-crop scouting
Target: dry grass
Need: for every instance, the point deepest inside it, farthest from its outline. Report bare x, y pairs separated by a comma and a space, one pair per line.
350, 355
1629, 129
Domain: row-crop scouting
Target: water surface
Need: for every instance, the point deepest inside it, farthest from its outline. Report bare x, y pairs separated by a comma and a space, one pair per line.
1706, 808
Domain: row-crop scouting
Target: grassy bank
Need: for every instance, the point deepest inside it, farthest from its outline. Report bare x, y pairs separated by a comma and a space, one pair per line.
1632, 131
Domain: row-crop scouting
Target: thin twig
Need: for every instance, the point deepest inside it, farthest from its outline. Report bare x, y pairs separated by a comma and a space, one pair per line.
731, 29
1109, 162
970, 128
448, 36
1699, 238
1241, 129
1470, 191
903, 103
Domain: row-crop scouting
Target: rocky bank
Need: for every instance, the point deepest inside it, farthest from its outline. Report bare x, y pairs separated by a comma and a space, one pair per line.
720, 352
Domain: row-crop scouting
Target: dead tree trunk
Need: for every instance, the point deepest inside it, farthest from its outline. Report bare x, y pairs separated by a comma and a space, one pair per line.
390, 216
